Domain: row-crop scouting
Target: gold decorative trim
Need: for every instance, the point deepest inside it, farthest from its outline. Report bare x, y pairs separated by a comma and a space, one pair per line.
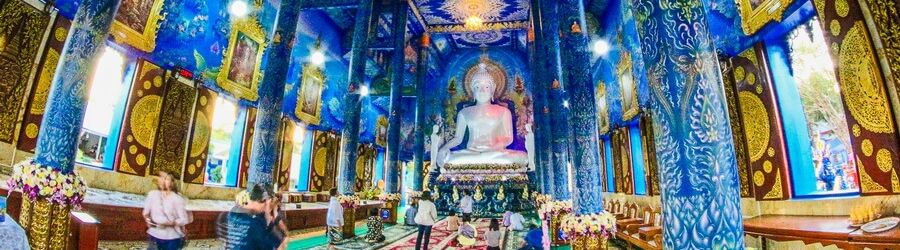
861, 83
312, 77
884, 161
776, 192
757, 129
753, 19
145, 120
250, 28
146, 40
866, 183
454, 28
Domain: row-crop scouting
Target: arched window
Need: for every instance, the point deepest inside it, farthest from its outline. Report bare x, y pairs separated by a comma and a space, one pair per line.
104, 111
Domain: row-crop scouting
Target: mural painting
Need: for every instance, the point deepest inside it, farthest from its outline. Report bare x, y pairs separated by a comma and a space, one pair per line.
241, 69
137, 22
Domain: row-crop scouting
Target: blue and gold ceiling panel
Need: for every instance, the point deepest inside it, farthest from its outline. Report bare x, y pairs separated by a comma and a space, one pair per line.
491, 38
442, 12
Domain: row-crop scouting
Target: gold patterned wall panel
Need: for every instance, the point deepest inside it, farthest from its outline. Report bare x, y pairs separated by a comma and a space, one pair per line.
283, 174
247, 148
885, 16
170, 151
37, 97
873, 132
761, 124
755, 14
601, 149
141, 120
323, 164
649, 153
621, 145
200, 133
737, 129
20, 36
365, 165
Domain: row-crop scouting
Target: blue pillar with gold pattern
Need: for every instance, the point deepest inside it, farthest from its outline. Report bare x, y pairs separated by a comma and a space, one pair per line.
583, 144
419, 146
392, 177
350, 132
46, 220
542, 124
556, 96
536, 127
700, 195
266, 138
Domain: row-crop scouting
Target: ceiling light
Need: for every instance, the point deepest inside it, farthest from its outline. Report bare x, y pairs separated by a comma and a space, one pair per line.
474, 23
238, 8
364, 90
601, 47
317, 58
566, 103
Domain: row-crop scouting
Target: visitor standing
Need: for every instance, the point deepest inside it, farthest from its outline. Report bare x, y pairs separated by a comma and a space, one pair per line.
165, 214
376, 228
425, 217
334, 220
246, 225
493, 235
465, 204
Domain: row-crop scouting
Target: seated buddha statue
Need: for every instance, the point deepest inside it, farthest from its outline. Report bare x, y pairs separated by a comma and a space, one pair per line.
490, 129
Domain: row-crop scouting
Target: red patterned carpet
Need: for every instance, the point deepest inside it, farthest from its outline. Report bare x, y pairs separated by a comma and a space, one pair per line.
441, 239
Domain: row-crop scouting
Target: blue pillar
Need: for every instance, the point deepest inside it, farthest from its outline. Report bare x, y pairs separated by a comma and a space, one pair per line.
393, 176
584, 142
350, 132
556, 95
538, 90
266, 138
58, 137
419, 146
536, 124
700, 193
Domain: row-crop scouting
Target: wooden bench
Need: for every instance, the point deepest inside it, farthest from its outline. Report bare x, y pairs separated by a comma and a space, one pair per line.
645, 232
827, 230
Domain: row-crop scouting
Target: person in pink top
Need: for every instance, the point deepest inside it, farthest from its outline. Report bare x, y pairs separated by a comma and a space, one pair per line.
165, 214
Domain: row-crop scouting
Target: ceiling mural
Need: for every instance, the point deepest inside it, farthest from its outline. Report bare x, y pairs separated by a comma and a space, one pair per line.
491, 38
441, 12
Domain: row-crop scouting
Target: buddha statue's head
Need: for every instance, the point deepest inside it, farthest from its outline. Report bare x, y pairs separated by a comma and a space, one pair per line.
482, 85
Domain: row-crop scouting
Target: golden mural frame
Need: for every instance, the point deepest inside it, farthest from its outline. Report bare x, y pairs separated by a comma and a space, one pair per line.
311, 75
381, 122
625, 68
753, 19
603, 127
250, 28
144, 41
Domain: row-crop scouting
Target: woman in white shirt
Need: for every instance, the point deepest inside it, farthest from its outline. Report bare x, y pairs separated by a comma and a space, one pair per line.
334, 220
165, 214
425, 217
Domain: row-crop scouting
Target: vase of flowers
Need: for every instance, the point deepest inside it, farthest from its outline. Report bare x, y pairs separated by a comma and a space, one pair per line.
48, 195
350, 203
554, 211
589, 231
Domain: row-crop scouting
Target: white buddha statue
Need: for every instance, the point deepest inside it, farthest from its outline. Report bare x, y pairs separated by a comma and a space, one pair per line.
490, 129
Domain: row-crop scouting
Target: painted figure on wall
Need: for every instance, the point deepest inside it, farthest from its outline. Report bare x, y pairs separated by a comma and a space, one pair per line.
602, 109
627, 87
244, 61
134, 14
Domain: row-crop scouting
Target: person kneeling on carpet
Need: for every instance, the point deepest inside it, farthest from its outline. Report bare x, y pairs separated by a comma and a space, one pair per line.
376, 228
534, 239
467, 233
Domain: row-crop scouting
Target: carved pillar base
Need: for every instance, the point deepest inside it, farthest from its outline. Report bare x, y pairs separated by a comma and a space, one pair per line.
349, 222
597, 242
47, 224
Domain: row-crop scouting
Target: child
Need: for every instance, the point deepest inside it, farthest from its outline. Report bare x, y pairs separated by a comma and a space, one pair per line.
376, 229
411, 215
493, 235
467, 233
452, 222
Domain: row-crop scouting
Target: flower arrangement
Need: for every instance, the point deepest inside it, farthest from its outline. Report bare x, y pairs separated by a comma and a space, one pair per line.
242, 198
541, 199
37, 181
590, 225
349, 201
386, 197
555, 208
469, 179
413, 195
